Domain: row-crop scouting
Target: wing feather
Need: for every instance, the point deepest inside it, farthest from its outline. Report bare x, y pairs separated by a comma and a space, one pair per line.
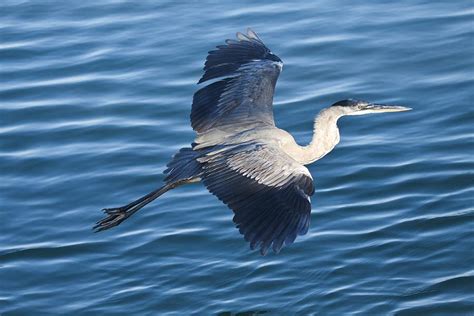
268, 191
247, 72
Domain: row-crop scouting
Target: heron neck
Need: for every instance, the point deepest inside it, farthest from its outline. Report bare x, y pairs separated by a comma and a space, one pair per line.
325, 135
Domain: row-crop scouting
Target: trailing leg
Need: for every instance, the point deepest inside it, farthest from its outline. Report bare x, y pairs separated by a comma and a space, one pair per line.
116, 215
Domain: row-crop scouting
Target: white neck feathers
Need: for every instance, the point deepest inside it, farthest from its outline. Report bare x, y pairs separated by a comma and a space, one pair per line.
325, 135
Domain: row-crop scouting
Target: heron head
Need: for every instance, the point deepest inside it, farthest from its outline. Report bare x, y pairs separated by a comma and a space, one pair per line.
360, 107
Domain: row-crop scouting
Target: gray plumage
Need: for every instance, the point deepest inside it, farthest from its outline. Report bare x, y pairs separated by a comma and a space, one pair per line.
240, 155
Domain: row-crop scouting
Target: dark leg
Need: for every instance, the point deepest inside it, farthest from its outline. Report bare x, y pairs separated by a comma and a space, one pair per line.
116, 215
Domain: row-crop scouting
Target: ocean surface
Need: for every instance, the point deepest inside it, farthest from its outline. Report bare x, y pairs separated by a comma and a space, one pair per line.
95, 98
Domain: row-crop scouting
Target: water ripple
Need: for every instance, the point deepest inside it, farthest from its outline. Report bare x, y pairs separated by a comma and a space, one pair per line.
95, 99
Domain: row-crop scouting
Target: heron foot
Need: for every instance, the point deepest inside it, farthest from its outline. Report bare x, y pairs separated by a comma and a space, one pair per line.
114, 216
115, 210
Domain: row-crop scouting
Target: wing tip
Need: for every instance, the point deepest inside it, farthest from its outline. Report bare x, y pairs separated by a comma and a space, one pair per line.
251, 35
298, 226
241, 37
226, 59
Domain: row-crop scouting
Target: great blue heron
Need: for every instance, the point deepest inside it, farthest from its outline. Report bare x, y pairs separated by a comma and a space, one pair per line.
239, 154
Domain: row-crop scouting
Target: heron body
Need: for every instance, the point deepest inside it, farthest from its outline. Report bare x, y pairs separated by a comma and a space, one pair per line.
255, 168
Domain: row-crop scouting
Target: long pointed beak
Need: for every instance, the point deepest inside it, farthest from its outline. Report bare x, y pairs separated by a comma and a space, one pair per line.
380, 108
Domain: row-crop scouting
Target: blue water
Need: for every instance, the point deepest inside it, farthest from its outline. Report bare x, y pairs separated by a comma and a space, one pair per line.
95, 99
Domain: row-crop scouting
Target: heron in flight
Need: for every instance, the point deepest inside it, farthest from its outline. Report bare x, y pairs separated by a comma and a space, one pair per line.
255, 168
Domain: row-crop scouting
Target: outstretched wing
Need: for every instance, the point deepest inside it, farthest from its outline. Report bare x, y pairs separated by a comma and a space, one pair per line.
268, 191
243, 94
